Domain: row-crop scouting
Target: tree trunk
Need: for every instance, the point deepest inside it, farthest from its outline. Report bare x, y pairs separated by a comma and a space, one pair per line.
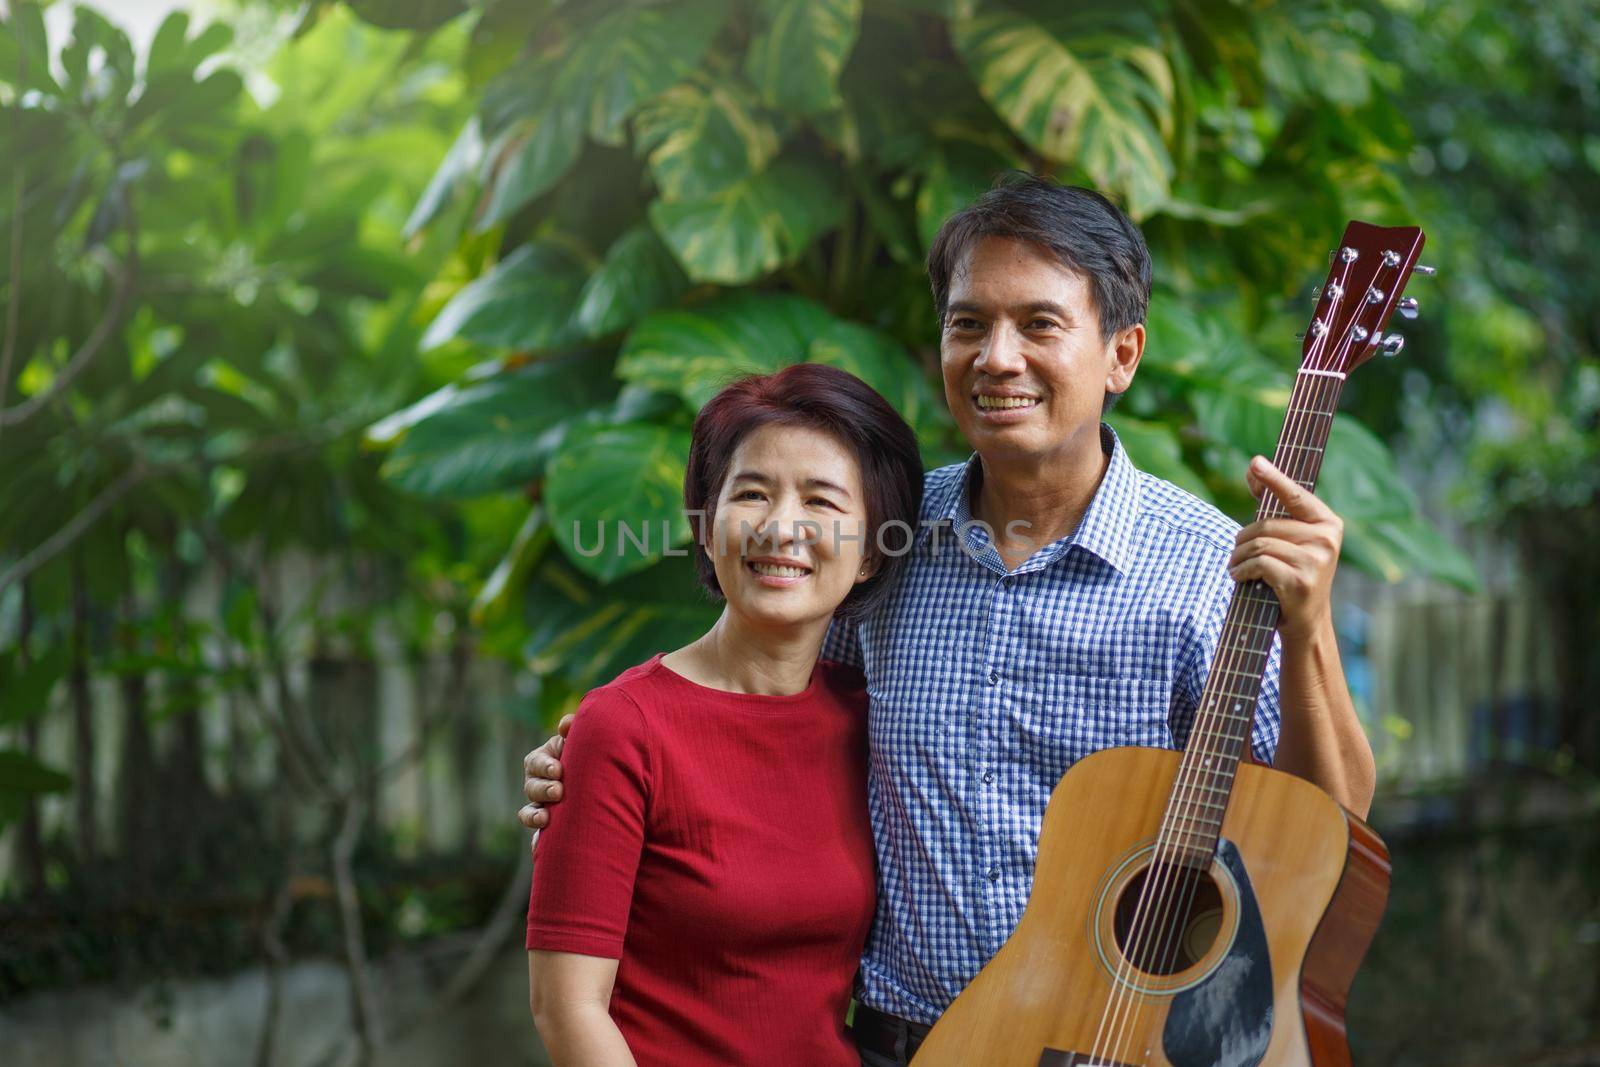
86, 789
30, 839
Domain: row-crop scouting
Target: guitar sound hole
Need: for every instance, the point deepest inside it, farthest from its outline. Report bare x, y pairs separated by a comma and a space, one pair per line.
1179, 920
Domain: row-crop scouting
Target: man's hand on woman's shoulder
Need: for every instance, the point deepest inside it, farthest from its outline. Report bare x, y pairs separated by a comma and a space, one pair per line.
541, 783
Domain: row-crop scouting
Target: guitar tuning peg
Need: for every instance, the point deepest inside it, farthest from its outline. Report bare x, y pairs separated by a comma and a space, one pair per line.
1407, 307
1426, 272
1391, 344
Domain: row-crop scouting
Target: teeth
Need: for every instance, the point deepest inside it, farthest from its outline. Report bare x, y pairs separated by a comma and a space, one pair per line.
1000, 402
778, 572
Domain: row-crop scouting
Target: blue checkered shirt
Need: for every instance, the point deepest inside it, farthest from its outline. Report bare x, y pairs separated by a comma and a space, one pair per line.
986, 685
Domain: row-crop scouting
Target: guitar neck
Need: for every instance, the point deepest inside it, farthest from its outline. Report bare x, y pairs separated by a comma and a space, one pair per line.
1221, 730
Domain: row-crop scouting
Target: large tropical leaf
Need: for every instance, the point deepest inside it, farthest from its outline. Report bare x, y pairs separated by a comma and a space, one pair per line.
588, 633
615, 496
701, 137
795, 61
465, 156
957, 173
1384, 530
1082, 93
525, 302
532, 153
496, 434
694, 353
1154, 448
407, 14
753, 227
883, 363
637, 275
635, 53
538, 114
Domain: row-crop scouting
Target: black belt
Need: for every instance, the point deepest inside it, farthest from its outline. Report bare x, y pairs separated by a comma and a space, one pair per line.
887, 1035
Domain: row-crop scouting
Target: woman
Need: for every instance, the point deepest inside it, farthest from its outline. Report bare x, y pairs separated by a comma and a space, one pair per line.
704, 893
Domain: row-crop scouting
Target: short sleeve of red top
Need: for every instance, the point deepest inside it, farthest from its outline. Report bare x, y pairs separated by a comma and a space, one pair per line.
717, 845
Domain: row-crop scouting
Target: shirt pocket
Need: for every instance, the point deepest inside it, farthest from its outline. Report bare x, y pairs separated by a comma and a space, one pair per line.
1073, 715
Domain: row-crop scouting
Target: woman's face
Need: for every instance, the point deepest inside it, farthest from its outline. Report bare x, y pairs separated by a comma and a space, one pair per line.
790, 526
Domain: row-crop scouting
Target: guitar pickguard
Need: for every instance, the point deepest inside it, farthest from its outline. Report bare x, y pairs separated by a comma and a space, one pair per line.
1226, 1020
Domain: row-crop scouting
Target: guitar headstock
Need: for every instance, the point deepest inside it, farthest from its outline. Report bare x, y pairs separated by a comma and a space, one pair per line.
1367, 274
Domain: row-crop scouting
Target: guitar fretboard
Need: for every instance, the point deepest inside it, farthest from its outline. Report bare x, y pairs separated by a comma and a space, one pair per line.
1221, 730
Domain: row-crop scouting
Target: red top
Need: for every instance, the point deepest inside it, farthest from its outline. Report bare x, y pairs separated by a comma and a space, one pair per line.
718, 845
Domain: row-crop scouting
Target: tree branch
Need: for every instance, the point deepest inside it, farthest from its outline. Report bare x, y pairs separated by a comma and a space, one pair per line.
97, 340
63, 538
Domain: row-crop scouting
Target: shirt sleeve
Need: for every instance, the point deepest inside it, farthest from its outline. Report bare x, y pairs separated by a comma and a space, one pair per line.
842, 644
585, 861
1197, 648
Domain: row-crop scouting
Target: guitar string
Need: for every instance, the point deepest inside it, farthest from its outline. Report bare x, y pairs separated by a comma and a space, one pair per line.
1255, 618
1175, 881
1258, 616
1326, 393
1125, 1008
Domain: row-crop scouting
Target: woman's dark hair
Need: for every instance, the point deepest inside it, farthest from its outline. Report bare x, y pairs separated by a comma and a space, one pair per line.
824, 398
1082, 229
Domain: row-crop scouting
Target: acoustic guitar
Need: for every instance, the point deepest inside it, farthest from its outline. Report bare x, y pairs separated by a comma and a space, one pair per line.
1194, 909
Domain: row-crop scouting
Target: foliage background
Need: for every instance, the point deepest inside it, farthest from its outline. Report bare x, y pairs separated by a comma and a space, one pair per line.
328, 324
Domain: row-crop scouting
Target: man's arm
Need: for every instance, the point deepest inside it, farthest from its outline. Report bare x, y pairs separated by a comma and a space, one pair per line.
1321, 739
570, 996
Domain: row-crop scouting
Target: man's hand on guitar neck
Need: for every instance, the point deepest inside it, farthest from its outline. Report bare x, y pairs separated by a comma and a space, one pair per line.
1296, 555
1322, 740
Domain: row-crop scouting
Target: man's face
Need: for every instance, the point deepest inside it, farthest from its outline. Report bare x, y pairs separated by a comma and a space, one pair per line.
1025, 368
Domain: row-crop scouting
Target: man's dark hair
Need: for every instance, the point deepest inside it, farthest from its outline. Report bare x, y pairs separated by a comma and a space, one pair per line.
1082, 229
817, 397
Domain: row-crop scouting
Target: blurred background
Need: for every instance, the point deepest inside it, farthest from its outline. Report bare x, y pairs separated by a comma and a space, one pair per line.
324, 323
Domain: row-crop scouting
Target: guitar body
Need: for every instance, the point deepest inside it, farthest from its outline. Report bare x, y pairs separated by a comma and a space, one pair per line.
1276, 931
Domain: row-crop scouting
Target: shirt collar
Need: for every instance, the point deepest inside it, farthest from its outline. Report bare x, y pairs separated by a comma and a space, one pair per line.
1106, 529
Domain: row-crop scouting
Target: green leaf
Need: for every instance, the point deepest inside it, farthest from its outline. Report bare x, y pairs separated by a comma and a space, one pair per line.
588, 633
957, 174
1384, 530
525, 302
752, 228
535, 150
633, 54
615, 496
465, 156
407, 14
25, 49
166, 48
20, 773
694, 353
795, 62
699, 139
25, 691
1154, 449
637, 275
501, 587
1082, 93
495, 434
883, 363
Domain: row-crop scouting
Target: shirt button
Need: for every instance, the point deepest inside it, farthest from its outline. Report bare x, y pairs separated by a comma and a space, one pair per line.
988, 777
994, 676
992, 873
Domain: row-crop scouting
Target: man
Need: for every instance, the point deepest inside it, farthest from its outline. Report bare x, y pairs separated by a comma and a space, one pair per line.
1070, 602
